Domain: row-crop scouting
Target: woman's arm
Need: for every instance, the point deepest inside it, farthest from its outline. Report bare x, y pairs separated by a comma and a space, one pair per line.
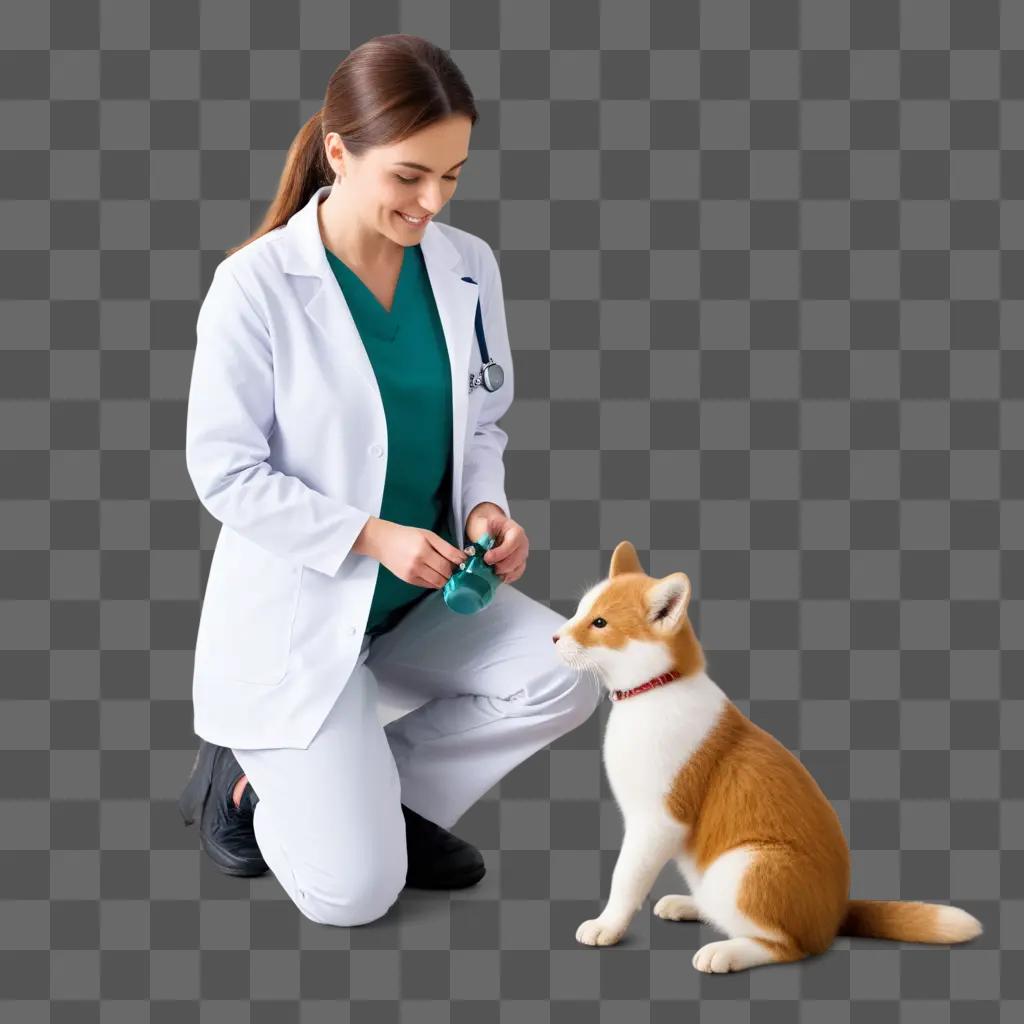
228, 425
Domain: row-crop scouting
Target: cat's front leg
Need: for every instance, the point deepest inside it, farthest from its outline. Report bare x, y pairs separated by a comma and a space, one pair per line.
647, 845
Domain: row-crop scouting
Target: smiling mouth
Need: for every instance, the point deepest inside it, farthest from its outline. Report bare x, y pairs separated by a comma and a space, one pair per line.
412, 223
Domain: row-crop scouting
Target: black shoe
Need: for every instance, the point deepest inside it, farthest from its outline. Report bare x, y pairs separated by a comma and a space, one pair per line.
225, 831
438, 859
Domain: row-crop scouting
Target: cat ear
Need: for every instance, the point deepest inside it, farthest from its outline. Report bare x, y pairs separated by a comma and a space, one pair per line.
624, 559
667, 601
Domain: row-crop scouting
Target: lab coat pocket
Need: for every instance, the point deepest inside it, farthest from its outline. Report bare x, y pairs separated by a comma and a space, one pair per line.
249, 611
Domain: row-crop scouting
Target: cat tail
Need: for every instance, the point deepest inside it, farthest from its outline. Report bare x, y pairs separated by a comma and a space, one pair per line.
908, 921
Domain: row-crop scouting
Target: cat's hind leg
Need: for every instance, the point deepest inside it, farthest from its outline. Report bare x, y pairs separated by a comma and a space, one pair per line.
750, 944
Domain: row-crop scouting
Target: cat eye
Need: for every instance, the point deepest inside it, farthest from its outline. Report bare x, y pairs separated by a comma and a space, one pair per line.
599, 622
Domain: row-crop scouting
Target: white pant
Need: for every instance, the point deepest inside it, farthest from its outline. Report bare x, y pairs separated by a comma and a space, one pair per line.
329, 821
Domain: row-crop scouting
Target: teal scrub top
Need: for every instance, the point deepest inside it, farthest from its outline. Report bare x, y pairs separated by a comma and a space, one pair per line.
407, 350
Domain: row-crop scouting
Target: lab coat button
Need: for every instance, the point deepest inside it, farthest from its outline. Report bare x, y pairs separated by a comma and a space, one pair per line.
351, 630
377, 450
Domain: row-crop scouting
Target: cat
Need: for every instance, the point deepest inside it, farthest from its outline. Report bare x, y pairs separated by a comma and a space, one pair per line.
761, 848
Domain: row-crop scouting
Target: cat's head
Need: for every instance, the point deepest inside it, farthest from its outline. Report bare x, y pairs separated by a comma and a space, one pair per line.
630, 626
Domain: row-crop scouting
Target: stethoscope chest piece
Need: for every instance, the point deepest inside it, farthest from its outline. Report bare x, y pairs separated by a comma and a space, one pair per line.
493, 376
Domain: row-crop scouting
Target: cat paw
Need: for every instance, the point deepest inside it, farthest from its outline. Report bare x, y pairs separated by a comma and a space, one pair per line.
677, 908
600, 932
735, 954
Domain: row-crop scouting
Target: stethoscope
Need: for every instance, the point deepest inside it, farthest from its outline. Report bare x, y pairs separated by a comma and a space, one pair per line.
491, 375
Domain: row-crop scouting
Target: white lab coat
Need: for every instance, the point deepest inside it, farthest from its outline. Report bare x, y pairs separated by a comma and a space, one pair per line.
287, 445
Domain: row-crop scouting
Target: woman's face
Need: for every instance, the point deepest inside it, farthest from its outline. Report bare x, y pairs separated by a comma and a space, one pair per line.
381, 186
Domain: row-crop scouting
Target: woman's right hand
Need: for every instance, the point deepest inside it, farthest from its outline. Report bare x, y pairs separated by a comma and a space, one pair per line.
416, 555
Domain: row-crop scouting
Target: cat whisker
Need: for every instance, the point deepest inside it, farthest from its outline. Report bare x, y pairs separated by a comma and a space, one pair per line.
595, 678
588, 668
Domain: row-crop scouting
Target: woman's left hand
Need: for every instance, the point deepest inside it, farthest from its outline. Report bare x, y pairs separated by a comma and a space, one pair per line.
512, 546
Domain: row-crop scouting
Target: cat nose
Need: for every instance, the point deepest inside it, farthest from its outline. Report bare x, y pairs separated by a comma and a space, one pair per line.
554, 639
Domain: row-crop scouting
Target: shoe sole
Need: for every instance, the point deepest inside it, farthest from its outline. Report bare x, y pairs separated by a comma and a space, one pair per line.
462, 881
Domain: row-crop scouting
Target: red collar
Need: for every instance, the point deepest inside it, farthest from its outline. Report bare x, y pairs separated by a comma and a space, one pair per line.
666, 677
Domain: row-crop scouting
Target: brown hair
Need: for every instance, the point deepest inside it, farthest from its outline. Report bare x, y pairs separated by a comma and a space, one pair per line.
383, 91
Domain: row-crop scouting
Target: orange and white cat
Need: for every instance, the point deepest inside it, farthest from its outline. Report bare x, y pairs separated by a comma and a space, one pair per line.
760, 846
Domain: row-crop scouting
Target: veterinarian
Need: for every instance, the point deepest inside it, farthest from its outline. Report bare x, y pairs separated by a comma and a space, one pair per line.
341, 430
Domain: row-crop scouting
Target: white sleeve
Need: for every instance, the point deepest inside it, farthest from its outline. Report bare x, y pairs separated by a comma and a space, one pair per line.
483, 471
229, 422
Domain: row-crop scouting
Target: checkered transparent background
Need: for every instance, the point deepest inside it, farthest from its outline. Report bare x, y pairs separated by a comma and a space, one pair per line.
764, 270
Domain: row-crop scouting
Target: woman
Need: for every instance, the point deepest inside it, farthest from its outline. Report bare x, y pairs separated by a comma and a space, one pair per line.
338, 429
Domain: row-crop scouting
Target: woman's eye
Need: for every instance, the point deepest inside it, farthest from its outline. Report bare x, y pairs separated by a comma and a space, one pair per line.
600, 623
412, 181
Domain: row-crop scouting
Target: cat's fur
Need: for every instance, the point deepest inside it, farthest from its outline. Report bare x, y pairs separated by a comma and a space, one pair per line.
760, 846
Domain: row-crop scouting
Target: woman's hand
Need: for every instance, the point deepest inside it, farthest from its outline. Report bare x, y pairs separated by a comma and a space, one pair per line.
512, 546
418, 556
